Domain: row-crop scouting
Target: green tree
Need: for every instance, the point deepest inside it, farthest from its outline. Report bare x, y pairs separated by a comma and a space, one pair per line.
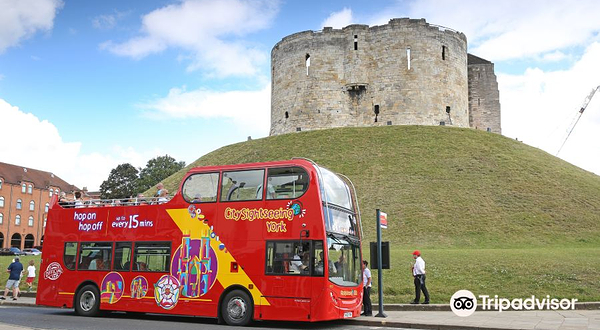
121, 182
156, 170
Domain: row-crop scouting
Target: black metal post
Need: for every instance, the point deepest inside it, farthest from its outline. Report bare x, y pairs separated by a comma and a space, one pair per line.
379, 267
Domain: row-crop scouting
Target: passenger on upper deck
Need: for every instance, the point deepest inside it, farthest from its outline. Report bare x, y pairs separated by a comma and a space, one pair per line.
78, 202
163, 197
159, 187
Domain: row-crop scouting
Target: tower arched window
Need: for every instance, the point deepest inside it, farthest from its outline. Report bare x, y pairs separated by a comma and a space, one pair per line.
19, 204
1, 218
30, 189
18, 220
30, 221
23, 188
32, 206
1, 201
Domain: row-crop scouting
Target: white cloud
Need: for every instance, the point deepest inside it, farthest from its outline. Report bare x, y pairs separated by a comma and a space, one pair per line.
21, 19
248, 109
338, 20
538, 108
515, 29
556, 56
108, 21
210, 30
104, 22
43, 148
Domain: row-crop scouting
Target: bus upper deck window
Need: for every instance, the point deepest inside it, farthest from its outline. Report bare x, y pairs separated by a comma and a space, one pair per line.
201, 188
242, 185
286, 183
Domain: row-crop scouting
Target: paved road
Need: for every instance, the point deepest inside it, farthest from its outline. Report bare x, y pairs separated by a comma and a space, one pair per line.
54, 318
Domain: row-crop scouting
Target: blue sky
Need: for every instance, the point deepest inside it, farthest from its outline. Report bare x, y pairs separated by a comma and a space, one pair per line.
87, 85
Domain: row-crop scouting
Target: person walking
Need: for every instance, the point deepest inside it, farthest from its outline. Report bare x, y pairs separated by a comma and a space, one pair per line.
30, 275
368, 308
419, 278
15, 269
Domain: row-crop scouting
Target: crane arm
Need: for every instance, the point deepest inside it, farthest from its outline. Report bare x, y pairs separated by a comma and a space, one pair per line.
576, 119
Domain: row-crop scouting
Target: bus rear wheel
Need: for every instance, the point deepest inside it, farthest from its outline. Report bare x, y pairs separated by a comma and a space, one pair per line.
87, 301
237, 308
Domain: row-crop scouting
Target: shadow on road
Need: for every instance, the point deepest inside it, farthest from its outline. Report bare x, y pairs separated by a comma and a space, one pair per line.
208, 321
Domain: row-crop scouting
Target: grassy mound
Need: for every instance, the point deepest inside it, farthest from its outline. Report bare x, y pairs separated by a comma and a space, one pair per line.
443, 186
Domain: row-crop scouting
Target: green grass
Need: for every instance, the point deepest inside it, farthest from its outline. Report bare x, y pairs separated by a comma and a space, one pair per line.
5, 261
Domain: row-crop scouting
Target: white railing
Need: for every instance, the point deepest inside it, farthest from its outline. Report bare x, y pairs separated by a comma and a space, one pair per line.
136, 201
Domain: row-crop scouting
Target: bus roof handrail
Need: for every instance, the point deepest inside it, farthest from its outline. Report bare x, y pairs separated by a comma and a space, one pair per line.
114, 202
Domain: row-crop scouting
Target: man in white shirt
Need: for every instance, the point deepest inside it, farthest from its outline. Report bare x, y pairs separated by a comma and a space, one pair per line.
419, 275
367, 290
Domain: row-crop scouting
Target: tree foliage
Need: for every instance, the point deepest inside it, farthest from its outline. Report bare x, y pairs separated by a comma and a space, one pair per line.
156, 170
121, 182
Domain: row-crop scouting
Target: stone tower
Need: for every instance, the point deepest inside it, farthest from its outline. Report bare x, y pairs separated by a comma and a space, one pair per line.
407, 72
484, 97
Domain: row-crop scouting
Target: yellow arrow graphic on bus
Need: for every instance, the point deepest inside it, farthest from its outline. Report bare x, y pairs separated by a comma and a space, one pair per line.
198, 229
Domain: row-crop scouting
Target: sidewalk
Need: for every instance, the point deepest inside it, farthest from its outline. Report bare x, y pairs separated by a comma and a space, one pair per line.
438, 317
528, 320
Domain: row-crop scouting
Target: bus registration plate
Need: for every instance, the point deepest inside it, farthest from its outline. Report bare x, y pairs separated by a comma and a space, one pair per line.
347, 314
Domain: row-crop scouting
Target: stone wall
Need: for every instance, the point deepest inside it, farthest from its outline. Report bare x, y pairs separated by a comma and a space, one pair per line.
407, 72
484, 97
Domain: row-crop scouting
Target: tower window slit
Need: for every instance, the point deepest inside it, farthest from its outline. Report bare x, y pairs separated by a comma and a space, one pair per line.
307, 62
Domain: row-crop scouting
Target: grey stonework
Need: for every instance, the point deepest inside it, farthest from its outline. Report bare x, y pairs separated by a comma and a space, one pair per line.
359, 69
484, 97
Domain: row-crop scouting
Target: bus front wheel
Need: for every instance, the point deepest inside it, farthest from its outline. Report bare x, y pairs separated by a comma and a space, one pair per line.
87, 302
237, 308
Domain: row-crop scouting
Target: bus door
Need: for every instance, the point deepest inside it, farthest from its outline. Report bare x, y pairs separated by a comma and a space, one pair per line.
288, 283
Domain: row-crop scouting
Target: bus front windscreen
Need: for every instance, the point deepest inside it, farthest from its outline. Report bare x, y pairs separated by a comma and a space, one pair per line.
337, 204
345, 256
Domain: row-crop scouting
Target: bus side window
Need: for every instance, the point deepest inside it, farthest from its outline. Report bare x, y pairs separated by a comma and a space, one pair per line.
242, 185
70, 255
95, 256
286, 183
152, 257
122, 260
201, 188
318, 256
288, 258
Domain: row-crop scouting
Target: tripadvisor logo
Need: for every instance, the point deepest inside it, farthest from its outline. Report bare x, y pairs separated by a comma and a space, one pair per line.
463, 303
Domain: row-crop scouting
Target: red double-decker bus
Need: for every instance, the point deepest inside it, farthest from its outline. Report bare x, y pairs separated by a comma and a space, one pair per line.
264, 241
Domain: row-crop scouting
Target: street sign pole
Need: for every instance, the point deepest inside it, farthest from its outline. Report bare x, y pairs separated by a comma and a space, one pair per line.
379, 267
